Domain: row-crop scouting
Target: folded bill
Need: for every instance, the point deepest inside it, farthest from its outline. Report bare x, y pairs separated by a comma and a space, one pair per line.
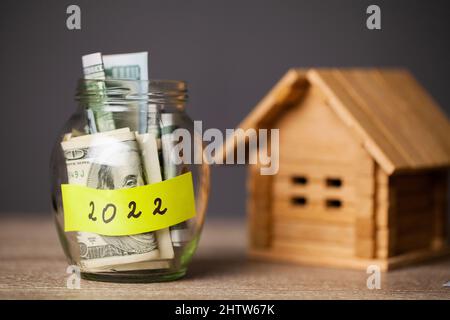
111, 160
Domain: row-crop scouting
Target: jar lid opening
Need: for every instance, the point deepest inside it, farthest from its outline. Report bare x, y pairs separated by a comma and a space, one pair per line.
114, 90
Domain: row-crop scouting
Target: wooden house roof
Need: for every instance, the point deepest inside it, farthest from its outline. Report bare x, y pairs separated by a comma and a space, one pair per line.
387, 110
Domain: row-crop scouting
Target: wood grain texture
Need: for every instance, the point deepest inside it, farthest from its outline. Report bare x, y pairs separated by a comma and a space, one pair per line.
32, 266
259, 203
400, 125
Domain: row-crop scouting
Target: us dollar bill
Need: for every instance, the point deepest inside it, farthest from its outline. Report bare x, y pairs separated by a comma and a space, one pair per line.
180, 233
152, 173
154, 129
169, 123
108, 160
130, 66
99, 119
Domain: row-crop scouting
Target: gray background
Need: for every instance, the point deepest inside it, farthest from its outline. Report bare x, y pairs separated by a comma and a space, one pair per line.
230, 52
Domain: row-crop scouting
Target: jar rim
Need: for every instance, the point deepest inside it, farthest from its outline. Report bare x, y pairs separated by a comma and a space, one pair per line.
152, 90
155, 80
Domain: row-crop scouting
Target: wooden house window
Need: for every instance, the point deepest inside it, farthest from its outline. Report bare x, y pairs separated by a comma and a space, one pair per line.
333, 203
333, 182
299, 201
301, 180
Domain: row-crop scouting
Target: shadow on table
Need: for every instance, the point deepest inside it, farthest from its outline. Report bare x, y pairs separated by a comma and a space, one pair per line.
204, 267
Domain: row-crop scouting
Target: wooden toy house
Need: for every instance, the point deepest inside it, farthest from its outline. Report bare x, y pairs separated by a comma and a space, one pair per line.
363, 163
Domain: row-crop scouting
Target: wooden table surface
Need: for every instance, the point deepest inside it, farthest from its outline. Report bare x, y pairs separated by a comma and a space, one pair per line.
32, 266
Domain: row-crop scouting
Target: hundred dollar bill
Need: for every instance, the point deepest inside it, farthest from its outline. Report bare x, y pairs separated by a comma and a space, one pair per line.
180, 233
154, 129
152, 172
108, 160
130, 66
93, 66
144, 265
98, 119
149, 154
169, 123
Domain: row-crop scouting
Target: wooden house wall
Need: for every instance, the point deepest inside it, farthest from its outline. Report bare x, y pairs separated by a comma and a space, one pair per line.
259, 188
381, 213
419, 209
385, 218
317, 152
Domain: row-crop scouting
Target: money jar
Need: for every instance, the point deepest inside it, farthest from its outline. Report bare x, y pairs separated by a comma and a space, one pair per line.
129, 184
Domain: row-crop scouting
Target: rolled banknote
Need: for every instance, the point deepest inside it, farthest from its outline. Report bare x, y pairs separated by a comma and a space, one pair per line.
130, 66
180, 233
109, 160
144, 265
169, 123
93, 66
154, 129
98, 118
152, 172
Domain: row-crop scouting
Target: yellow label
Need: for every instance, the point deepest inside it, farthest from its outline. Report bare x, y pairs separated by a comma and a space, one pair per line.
128, 211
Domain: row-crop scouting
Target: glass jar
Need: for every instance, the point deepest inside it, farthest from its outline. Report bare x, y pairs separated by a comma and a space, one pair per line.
120, 137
